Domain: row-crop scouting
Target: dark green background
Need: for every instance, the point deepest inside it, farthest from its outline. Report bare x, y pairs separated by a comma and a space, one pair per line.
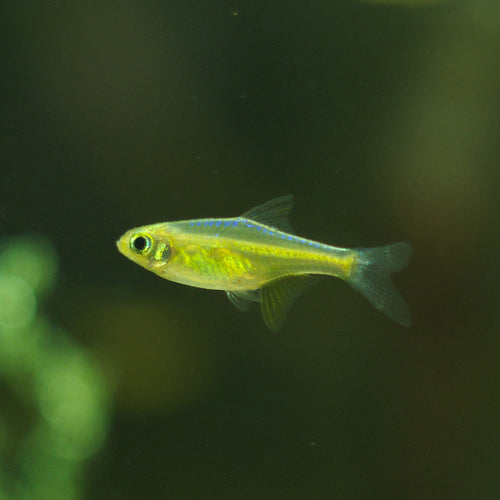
383, 123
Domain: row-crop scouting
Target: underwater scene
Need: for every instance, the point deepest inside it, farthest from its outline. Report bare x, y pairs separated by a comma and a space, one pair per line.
249, 250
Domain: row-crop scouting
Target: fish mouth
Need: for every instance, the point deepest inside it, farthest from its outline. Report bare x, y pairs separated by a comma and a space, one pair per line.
121, 245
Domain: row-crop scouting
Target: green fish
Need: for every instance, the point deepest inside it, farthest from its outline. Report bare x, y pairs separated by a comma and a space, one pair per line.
257, 258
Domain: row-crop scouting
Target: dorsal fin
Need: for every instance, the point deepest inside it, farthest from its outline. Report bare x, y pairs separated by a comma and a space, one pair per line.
274, 213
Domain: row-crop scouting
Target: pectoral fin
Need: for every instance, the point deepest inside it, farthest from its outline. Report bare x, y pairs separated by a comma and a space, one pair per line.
279, 295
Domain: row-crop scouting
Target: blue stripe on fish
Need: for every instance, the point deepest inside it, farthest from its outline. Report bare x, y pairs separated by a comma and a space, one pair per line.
250, 224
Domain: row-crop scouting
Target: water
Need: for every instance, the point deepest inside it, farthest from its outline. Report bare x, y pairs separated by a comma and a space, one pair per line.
380, 120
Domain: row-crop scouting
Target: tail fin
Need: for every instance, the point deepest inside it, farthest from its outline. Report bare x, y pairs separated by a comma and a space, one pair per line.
371, 277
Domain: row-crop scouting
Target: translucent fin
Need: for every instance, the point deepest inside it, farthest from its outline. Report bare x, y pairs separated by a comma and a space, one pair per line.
274, 213
243, 300
371, 277
279, 295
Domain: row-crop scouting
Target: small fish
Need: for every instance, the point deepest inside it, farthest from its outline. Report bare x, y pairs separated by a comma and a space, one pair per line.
257, 258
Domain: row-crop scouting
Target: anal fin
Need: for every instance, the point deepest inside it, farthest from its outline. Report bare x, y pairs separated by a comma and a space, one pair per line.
279, 295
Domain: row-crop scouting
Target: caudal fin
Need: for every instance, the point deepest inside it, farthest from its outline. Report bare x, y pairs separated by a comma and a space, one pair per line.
372, 278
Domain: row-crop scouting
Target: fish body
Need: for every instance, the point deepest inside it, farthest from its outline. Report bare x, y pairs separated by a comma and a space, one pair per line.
256, 257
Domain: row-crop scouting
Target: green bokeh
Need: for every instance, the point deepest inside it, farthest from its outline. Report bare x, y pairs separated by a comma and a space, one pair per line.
58, 394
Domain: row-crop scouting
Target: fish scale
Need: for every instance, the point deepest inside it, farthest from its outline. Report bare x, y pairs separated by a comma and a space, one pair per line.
257, 227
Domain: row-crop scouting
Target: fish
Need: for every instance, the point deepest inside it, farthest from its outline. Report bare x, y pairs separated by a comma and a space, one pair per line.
257, 257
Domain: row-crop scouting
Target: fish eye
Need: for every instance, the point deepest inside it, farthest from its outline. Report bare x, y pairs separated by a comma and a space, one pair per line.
141, 243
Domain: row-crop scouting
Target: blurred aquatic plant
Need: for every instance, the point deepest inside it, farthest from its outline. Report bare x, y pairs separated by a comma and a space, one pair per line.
58, 412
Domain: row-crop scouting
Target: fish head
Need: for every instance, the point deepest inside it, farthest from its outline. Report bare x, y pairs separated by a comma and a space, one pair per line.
149, 246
